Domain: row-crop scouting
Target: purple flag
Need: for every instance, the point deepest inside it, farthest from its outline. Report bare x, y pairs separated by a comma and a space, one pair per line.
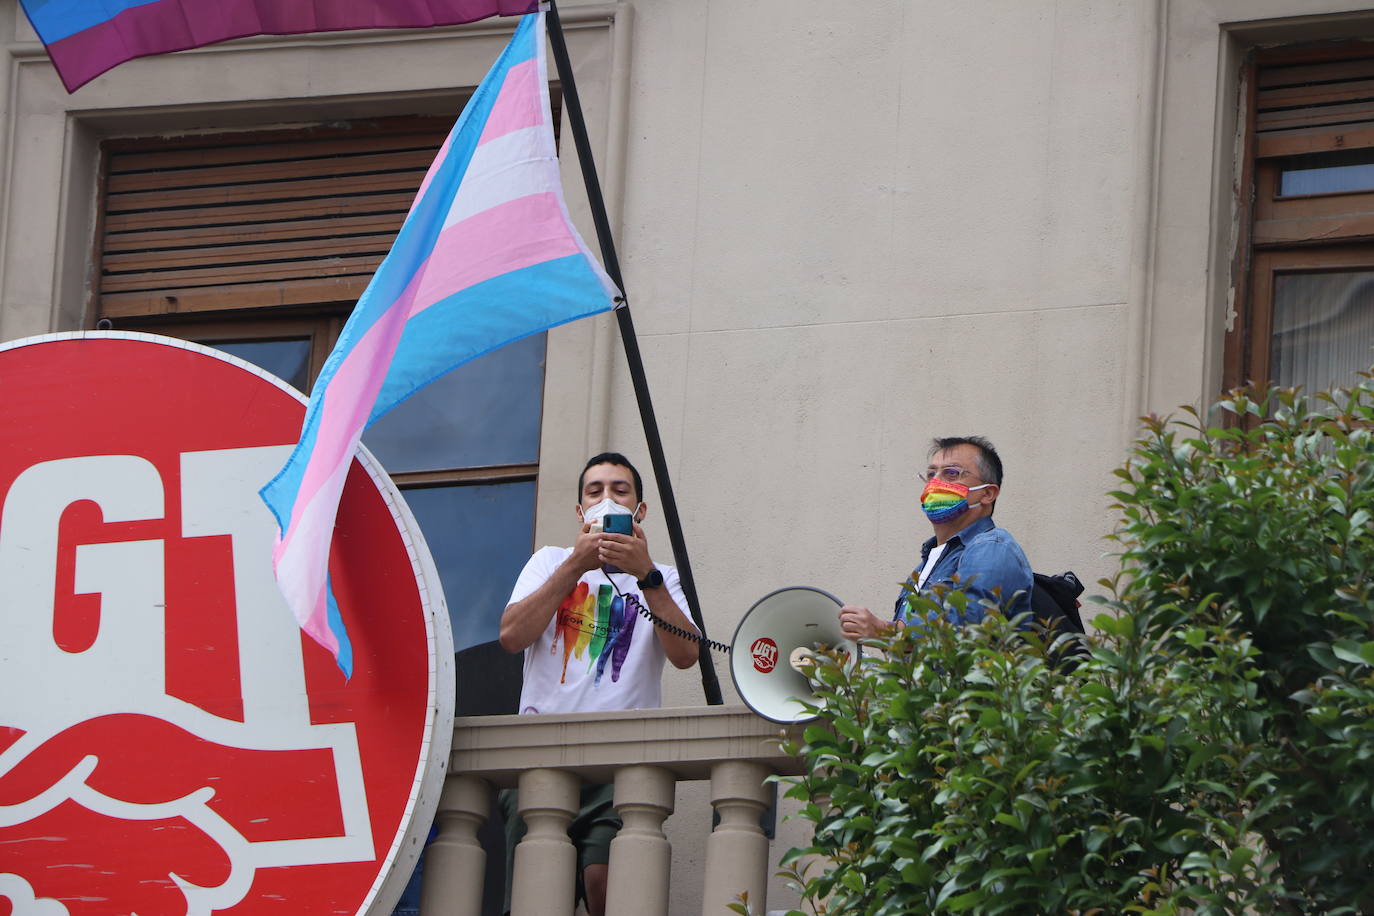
85, 38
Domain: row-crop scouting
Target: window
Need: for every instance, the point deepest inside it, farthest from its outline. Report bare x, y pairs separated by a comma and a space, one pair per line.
1305, 306
258, 243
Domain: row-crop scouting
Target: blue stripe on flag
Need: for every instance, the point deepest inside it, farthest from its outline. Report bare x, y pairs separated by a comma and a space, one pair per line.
474, 321
55, 20
336, 626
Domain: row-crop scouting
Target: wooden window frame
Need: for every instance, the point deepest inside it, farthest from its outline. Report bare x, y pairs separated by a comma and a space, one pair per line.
1306, 233
1268, 265
323, 329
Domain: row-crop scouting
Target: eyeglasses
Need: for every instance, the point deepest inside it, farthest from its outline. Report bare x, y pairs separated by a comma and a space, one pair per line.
949, 473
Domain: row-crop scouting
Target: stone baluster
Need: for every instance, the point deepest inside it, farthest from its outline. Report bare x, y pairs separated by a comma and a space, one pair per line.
737, 850
545, 860
641, 856
455, 862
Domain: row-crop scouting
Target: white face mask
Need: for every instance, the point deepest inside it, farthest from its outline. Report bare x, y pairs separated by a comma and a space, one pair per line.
604, 508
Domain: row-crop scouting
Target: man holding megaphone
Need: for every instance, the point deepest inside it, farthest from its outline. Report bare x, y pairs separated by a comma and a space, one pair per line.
968, 551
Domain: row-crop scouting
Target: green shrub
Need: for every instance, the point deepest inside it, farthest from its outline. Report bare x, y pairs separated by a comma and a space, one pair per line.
1214, 754
1272, 516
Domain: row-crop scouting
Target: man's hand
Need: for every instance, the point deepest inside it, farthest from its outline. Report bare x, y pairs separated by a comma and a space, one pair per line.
630, 553
860, 623
586, 550
522, 621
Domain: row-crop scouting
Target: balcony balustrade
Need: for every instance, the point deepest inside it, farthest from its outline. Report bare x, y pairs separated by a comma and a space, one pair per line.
644, 753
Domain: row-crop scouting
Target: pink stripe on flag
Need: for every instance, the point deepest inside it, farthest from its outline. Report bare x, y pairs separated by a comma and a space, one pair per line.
519, 233
347, 403
519, 104
475, 250
305, 559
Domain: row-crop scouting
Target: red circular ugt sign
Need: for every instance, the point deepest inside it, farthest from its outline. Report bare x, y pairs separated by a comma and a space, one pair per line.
170, 744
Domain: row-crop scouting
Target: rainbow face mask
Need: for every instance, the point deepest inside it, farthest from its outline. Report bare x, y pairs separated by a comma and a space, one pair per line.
942, 500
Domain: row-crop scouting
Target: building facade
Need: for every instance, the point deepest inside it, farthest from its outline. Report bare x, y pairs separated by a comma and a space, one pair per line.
844, 229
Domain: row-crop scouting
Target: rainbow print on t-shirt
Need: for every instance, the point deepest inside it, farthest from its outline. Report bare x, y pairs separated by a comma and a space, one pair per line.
617, 648
597, 628
601, 625
576, 608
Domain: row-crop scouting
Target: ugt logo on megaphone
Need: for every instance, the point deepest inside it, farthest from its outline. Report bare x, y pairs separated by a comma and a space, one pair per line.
786, 625
765, 653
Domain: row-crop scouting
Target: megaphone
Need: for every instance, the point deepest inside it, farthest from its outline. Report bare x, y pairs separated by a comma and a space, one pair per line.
775, 635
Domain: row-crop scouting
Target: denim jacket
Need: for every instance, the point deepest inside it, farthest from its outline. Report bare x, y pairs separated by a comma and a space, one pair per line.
989, 564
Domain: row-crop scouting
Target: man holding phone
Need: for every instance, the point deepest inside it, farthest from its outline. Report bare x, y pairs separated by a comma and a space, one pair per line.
596, 622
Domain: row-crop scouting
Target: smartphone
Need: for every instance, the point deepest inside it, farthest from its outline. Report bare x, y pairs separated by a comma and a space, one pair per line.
617, 524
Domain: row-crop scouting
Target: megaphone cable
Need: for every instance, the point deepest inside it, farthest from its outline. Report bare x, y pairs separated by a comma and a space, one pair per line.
664, 625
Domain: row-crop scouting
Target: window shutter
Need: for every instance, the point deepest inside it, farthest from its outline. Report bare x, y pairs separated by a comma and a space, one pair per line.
1314, 107
296, 217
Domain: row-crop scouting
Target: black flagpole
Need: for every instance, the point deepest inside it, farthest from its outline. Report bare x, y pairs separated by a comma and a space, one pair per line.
573, 107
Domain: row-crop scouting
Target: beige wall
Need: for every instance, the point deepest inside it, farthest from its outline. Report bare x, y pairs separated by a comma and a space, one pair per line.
850, 228
845, 228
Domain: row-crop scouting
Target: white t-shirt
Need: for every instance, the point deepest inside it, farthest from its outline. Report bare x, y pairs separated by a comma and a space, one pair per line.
931, 560
597, 652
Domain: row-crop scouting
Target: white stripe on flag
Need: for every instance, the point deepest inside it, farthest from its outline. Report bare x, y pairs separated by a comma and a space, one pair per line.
503, 170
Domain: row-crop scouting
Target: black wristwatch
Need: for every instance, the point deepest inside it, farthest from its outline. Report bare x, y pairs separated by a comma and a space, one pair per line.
653, 580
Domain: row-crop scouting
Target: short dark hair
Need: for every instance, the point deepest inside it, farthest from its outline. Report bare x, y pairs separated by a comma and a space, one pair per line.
610, 458
989, 464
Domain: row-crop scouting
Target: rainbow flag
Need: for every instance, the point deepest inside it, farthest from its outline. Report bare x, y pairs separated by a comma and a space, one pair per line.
85, 38
486, 256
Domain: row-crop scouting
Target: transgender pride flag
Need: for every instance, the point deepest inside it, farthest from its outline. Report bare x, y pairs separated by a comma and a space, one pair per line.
487, 255
85, 38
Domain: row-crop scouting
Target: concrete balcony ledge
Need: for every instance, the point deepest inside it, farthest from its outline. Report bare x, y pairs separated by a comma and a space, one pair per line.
644, 754
686, 741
